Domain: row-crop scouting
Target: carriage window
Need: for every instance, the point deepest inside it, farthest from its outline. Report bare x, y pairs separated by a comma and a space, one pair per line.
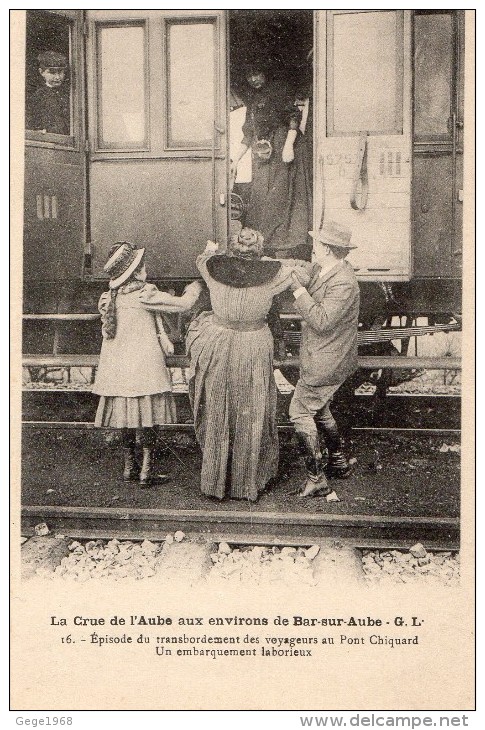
122, 94
365, 75
191, 77
48, 97
433, 68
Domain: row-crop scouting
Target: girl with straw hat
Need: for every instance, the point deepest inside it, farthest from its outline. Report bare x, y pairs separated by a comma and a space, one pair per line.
132, 378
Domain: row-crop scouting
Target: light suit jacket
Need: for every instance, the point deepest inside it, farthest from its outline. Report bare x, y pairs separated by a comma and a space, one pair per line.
330, 308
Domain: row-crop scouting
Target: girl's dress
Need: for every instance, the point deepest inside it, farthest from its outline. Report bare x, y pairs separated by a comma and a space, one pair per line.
232, 386
280, 205
132, 377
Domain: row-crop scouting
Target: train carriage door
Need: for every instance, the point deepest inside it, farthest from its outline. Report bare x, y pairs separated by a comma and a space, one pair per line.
158, 175
363, 127
438, 142
54, 215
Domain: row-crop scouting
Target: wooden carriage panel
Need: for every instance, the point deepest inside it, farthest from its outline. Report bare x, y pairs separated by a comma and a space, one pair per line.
432, 216
54, 197
438, 143
54, 216
165, 206
363, 167
158, 162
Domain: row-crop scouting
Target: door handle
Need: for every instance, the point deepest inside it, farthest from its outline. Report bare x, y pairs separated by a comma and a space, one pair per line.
222, 199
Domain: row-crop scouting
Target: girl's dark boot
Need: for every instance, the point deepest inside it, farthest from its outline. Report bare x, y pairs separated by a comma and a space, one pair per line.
131, 468
148, 440
146, 468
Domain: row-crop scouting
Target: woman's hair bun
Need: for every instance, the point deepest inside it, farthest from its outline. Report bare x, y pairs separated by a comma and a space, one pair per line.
248, 244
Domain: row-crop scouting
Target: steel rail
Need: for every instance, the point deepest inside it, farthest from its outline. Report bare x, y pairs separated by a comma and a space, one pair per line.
127, 522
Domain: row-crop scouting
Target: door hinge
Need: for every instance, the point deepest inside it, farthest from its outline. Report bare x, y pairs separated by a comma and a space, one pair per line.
85, 27
87, 146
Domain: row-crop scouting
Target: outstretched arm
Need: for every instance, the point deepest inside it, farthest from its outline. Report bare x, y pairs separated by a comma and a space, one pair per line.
323, 316
284, 279
307, 265
211, 249
158, 301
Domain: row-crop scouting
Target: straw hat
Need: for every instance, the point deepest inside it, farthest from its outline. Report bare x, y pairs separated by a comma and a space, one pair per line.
333, 234
122, 263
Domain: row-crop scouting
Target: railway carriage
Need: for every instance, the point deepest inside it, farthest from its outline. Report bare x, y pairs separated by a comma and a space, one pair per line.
147, 156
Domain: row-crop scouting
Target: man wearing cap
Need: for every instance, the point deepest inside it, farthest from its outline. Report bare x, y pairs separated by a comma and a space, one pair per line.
328, 301
49, 106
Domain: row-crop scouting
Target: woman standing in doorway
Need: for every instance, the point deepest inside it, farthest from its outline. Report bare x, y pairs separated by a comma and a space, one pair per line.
280, 205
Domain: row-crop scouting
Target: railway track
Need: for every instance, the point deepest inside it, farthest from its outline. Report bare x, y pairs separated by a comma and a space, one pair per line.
285, 427
319, 560
289, 522
397, 415
243, 526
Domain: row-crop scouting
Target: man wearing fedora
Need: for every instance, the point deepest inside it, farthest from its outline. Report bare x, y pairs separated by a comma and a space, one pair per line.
328, 301
49, 107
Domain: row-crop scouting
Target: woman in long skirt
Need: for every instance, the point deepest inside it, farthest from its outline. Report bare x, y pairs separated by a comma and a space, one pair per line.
232, 386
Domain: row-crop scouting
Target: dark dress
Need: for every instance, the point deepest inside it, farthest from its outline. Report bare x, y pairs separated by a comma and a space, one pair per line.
232, 386
280, 204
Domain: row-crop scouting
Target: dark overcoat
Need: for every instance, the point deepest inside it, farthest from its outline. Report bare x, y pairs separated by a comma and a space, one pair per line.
49, 109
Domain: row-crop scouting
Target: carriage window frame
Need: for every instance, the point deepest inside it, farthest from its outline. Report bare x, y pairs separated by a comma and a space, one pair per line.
398, 128
215, 144
100, 145
50, 140
444, 138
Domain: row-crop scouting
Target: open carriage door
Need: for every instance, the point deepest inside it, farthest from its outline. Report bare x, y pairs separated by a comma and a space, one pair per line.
54, 215
158, 170
363, 122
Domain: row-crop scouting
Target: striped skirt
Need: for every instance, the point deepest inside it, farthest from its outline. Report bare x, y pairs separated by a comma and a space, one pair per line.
233, 394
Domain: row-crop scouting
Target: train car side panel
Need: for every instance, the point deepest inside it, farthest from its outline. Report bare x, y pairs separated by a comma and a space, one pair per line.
432, 215
364, 125
152, 203
158, 115
54, 222
438, 143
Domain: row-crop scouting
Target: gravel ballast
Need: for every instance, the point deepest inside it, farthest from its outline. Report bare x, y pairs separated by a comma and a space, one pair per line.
414, 566
261, 565
190, 561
